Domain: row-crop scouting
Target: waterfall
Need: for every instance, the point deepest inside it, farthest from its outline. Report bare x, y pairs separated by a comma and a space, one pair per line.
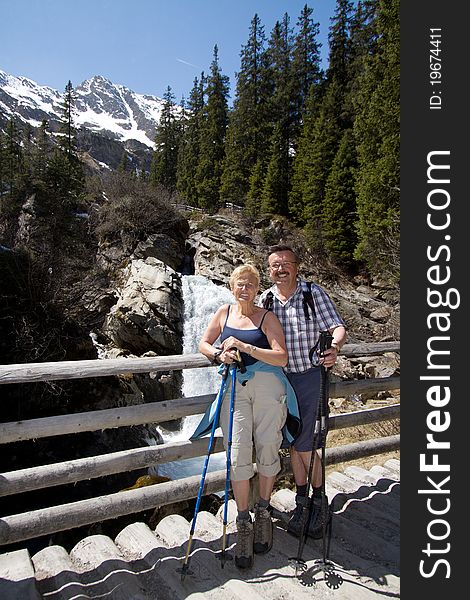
201, 300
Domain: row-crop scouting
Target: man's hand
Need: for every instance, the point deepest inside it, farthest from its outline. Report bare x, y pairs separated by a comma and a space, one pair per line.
329, 357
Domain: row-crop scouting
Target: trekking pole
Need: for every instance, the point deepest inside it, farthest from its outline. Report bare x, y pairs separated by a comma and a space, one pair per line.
324, 412
240, 365
333, 579
224, 556
319, 438
184, 569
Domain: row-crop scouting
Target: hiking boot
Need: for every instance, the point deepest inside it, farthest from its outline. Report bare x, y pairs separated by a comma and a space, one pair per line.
321, 514
263, 530
244, 544
294, 524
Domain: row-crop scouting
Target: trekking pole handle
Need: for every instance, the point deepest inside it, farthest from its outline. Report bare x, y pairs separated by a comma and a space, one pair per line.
324, 342
239, 360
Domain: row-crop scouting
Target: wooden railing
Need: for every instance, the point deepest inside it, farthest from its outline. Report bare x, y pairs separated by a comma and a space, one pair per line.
36, 523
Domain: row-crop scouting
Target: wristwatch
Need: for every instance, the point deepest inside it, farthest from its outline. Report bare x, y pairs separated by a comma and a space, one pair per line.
215, 360
337, 346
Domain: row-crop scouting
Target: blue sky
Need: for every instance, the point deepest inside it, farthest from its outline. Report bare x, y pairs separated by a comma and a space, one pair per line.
145, 45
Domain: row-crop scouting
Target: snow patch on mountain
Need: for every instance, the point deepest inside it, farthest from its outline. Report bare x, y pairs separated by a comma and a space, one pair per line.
106, 108
29, 93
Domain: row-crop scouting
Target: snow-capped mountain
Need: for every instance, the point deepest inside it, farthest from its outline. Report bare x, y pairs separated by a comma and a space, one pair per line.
104, 108
118, 112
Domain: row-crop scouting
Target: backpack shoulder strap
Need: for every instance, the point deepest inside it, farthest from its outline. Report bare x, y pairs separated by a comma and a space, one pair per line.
308, 300
268, 301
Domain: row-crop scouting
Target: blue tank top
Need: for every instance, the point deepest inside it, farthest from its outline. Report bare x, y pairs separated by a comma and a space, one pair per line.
257, 337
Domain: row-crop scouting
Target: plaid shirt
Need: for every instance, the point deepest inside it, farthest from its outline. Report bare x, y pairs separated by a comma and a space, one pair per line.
302, 335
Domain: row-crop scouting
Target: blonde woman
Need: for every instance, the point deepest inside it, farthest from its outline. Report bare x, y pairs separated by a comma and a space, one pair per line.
262, 395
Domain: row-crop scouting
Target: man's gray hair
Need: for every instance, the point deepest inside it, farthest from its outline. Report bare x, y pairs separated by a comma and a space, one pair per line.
282, 248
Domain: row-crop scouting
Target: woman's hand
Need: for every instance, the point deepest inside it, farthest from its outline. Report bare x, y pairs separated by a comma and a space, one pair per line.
228, 356
233, 342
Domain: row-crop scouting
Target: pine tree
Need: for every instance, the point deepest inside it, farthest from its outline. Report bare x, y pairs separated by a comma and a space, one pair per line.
255, 191
317, 149
377, 130
363, 43
212, 137
42, 152
276, 184
306, 69
339, 207
59, 193
282, 104
249, 123
68, 137
3, 169
167, 139
236, 169
279, 73
189, 151
363, 34
183, 118
123, 166
64, 173
12, 159
339, 73
323, 127
28, 154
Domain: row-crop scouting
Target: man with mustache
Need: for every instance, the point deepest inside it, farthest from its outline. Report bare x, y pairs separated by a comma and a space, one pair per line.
302, 322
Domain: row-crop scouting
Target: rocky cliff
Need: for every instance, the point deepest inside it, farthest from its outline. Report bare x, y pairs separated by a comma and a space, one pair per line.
221, 242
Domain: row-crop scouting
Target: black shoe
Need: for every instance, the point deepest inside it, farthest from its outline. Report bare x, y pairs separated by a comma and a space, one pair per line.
294, 525
321, 515
320, 518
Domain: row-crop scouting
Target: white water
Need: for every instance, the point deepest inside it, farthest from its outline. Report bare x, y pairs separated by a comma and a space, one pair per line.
201, 299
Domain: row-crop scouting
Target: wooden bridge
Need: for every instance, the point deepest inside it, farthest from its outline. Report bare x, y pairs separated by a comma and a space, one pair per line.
140, 563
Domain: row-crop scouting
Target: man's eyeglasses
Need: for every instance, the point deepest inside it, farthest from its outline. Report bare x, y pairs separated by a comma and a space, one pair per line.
287, 264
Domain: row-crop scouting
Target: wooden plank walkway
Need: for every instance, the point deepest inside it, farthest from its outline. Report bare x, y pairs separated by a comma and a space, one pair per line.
141, 564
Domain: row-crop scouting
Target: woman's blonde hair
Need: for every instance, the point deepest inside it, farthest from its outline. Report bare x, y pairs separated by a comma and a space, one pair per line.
244, 270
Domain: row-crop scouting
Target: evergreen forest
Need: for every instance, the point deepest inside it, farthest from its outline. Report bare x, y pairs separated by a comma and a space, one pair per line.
319, 148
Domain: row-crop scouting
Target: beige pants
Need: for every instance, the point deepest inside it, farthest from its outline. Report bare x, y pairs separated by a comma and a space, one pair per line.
260, 411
